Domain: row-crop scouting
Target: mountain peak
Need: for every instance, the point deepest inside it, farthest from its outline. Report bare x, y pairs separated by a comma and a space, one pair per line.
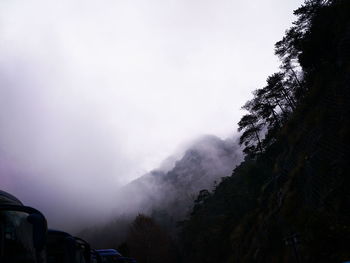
206, 160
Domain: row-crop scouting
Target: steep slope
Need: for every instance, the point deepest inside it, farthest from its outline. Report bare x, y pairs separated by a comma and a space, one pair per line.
291, 203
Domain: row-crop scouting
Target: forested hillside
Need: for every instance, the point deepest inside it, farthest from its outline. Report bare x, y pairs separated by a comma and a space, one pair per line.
289, 200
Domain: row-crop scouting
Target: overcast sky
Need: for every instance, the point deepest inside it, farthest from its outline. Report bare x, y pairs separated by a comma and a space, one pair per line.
94, 93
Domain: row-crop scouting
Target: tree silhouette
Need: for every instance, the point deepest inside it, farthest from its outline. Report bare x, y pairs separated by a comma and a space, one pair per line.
298, 185
250, 138
148, 243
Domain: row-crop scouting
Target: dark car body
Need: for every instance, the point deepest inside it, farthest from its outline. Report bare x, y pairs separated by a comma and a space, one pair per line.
23, 232
112, 256
64, 248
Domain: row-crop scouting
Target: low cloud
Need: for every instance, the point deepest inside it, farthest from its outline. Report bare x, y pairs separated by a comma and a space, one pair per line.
94, 94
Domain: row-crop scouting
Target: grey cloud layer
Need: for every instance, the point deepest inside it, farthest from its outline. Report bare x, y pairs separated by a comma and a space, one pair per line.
95, 93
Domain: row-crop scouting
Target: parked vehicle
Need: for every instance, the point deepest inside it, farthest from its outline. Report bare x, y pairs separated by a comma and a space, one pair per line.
111, 256
83, 249
24, 238
64, 248
95, 256
23, 232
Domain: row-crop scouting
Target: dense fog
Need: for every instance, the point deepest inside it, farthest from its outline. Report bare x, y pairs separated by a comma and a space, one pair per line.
96, 94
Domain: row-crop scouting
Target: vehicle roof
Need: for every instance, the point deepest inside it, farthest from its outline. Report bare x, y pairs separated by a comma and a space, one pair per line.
81, 241
109, 251
8, 199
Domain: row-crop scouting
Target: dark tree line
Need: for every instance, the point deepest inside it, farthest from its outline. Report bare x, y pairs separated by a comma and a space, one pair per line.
273, 104
294, 181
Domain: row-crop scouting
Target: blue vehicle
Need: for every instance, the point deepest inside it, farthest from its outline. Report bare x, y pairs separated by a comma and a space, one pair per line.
111, 256
23, 232
108, 255
64, 248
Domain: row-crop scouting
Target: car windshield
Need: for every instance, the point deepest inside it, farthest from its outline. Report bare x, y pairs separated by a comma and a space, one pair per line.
16, 238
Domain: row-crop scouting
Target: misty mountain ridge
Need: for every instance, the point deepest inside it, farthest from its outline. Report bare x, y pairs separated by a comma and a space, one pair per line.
204, 163
167, 193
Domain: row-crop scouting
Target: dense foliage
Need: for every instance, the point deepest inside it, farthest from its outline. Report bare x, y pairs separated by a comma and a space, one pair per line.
289, 200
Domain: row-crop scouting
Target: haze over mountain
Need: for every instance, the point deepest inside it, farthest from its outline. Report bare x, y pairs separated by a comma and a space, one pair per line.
102, 104
207, 160
94, 94
168, 193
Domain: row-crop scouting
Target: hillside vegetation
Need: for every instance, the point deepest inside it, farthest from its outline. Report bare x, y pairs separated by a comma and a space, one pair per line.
289, 200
